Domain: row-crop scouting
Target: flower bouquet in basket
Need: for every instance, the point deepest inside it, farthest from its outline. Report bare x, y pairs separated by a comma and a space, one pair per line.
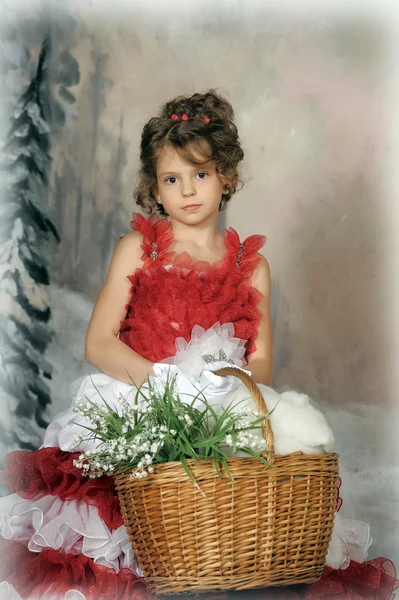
199, 518
158, 427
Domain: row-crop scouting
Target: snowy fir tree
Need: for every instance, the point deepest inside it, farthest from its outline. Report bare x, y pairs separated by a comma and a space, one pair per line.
27, 239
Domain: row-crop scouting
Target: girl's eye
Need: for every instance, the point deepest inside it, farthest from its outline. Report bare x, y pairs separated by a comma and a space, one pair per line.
200, 175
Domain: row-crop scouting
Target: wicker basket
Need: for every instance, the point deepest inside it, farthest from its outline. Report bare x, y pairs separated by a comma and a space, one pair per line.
272, 527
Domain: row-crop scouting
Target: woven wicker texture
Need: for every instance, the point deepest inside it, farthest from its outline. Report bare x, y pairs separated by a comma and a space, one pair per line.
271, 527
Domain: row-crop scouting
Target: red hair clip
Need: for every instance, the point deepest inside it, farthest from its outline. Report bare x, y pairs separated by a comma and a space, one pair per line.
185, 117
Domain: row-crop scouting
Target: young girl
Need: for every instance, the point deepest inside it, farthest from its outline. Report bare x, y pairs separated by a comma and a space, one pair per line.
175, 277
189, 157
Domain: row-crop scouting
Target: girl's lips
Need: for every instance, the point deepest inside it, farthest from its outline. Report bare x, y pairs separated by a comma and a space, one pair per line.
191, 206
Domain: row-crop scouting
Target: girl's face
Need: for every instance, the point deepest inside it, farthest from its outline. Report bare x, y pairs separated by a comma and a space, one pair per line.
189, 194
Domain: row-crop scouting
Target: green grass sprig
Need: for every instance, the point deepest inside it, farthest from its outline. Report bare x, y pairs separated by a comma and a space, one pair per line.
158, 427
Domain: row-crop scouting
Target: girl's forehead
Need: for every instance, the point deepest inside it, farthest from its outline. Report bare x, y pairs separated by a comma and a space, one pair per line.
170, 158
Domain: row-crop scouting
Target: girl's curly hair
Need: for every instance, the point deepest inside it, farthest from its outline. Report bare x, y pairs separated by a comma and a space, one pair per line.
216, 140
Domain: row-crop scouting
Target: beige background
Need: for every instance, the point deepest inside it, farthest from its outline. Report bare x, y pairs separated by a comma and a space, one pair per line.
309, 94
316, 94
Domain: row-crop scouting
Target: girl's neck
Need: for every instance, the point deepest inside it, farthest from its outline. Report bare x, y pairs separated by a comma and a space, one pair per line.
203, 235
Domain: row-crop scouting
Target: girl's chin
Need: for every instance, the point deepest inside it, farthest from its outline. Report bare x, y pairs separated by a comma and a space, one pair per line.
200, 212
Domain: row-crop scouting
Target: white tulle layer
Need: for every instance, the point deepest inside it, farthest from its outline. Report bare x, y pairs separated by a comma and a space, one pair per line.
297, 426
350, 540
63, 430
72, 526
208, 347
77, 528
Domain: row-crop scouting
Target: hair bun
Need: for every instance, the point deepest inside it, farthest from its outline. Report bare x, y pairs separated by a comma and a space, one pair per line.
209, 104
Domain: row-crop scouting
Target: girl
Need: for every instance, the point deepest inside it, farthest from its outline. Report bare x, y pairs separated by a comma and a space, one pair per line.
189, 157
175, 277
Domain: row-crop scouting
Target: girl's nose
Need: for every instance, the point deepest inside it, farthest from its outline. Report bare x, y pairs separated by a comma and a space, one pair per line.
188, 189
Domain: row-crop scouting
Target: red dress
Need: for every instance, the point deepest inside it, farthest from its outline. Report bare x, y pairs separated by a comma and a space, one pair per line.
169, 295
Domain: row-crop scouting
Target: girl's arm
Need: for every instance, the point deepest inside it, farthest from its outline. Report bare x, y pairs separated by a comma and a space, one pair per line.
103, 349
260, 362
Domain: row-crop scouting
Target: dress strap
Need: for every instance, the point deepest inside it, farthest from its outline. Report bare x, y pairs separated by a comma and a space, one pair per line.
157, 237
245, 253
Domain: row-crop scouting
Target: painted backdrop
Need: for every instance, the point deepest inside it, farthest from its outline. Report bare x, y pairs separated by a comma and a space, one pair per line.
309, 90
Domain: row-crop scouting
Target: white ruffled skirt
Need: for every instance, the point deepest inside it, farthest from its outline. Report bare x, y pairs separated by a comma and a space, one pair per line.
75, 527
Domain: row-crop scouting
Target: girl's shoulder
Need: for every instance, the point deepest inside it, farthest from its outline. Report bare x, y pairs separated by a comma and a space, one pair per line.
129, 250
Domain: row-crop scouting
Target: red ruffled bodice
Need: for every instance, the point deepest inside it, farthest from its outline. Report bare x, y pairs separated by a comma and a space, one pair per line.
171, 293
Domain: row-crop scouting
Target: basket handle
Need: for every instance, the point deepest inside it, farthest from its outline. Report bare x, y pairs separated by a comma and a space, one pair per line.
247, 380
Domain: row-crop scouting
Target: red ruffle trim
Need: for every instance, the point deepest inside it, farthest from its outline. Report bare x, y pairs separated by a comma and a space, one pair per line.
155, 231
338, 483
50, 471
48, 573
158, 236
250, 247
372, 580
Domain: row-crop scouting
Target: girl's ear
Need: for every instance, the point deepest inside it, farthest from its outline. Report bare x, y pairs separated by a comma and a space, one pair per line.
156, 195
227, 180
